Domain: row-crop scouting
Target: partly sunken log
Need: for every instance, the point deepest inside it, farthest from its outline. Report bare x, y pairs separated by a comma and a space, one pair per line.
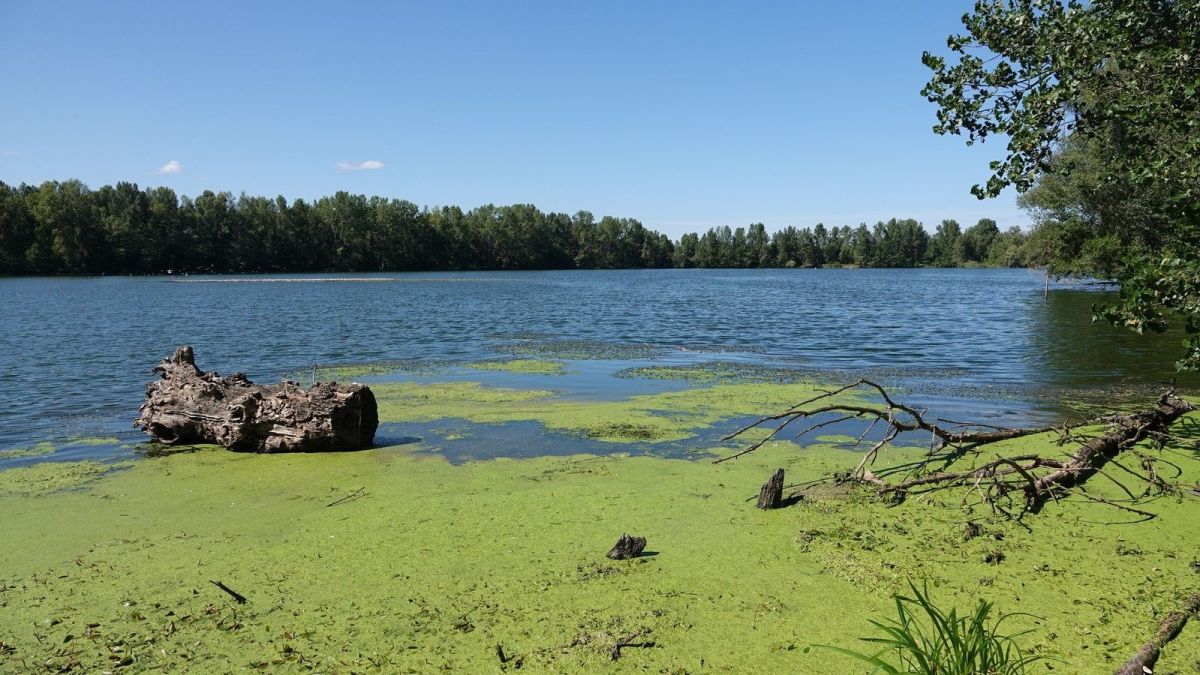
1143, 662
191, 406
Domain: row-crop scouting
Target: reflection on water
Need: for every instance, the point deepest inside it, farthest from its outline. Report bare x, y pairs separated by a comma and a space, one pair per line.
75, 353
1069, 350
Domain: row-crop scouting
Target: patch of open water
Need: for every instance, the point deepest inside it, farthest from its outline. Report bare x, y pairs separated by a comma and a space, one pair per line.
984, 345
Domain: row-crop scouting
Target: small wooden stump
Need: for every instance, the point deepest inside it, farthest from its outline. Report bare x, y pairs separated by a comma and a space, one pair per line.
627, 547
972, 530
771, 494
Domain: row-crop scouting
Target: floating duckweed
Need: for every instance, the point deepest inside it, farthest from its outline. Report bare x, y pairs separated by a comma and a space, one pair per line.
414, 402
43, 448
521, 366
667, 416
624, 431
350, 371
47, 477
719, 371
441, 563
721, 348
94, 440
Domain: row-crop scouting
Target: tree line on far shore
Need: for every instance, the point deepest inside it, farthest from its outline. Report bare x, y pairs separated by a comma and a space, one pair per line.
67, 228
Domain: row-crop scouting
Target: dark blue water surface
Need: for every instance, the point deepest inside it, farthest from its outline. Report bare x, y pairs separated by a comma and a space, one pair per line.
75, 353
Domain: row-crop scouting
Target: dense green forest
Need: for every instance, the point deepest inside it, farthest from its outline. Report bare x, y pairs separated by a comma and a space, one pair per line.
67, 228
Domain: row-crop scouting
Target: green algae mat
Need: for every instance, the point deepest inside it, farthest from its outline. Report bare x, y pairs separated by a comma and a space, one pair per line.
668, 416
395, 560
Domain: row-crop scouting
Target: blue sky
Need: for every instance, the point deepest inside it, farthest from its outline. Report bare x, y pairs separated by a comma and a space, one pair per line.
684, 115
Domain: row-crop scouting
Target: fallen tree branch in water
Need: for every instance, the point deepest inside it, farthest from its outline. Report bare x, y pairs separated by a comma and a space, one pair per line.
1143, 662
1127, 431
1035, 478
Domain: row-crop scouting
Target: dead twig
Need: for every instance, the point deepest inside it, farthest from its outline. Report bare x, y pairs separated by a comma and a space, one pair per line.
628, 641
360, 492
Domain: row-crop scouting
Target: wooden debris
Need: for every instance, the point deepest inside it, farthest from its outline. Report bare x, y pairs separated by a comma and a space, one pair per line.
627, 547
241, 599
972, 530
357, 494
1034, 478
771, 494
1143, 662
628, 641
190, 406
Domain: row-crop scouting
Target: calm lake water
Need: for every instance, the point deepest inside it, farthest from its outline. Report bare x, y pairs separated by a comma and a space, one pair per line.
75, 353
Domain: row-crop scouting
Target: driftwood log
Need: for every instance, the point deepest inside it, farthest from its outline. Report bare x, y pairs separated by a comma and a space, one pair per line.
188, 405
1090, 458
1143, 662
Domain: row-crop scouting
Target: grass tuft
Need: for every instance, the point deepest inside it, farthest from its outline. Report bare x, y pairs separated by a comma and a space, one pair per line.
926, 639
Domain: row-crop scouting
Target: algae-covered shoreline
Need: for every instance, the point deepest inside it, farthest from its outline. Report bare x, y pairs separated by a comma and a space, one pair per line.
396, 560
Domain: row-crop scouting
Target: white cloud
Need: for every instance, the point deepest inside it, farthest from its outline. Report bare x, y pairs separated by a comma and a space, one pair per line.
173, 166
368, 165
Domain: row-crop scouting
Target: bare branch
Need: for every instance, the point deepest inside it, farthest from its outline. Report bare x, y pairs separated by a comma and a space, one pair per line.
1034, 476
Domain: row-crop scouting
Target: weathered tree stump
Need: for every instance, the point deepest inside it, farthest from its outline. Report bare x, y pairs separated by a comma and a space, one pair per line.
190, 406
627, 547
771, 494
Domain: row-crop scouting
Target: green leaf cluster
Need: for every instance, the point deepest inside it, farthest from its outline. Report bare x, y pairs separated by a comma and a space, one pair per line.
1037, 71
1151, 294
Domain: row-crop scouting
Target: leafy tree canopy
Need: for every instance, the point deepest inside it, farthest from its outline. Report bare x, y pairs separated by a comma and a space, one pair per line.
1100, 106
1035, 71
